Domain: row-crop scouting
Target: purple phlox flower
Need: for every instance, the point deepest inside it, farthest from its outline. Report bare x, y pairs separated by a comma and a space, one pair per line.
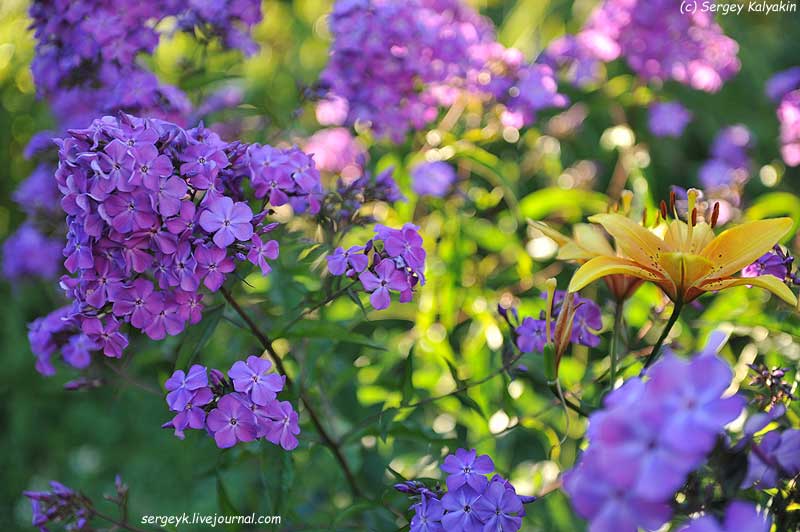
193, 416
182, 385
190, 307
106, 335
228, 221
639, 452
354, 259
170, 193
114, 166
151, 167
499, 508
231, 422
386, 277
460, 507
212, 264
531, 335
428, 513
776, 456
139, 301
693, 390
59, 505
261, 251
202, 163
185, 220
77, 351
166, 321
406, 243
775, 262
254, 378
284, 426
782, 83
129, 212
466, 467
739, 517
668, 119
433, 179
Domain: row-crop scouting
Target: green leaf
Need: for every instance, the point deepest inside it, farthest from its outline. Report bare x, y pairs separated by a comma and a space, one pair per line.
571, 204
385, 421
470, 403
330, 331
210, 321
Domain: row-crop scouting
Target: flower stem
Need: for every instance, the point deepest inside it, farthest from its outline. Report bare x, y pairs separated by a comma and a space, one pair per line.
312, 414
615, 333
676, 310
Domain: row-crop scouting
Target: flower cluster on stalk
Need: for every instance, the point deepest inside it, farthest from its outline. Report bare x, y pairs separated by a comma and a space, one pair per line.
650, 434
393, 261
241, 407
393, 64
657, 40
155, 213
472, 502
86, 56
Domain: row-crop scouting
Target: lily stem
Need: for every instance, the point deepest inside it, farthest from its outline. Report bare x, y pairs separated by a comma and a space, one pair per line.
615, 342
676, 311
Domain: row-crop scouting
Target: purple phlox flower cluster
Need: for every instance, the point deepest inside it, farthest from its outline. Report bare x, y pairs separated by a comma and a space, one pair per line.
85, 62
393, 64
739, 517
775, 262
392, 261
230, 21
284, 177
668, 119
335, 150
775, 456
647, 439
342, 207
241, 407
656, 40
473, 502
729, 167
532, 333
784, 89
148, 226
60, 505
433, 179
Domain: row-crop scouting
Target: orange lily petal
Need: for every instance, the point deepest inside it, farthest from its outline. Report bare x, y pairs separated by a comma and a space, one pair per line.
739, 246
600, 267
634, 241
769, 282
685, 269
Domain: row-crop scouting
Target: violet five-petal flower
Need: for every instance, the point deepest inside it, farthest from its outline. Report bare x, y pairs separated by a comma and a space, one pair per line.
254, 378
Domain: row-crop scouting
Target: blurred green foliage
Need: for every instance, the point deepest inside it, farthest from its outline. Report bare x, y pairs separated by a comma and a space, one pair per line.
361, 370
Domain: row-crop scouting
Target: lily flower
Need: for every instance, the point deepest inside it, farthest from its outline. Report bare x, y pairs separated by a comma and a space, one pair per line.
689, 259
589, 241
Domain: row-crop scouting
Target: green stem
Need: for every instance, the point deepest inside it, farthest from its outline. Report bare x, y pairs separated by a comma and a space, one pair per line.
670, 324
615, 342
327, 439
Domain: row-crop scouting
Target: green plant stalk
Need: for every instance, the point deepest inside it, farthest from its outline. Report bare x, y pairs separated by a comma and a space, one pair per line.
615, 333
673, 319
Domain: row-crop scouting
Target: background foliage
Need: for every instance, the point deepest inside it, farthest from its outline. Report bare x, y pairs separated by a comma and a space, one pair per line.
361, 372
